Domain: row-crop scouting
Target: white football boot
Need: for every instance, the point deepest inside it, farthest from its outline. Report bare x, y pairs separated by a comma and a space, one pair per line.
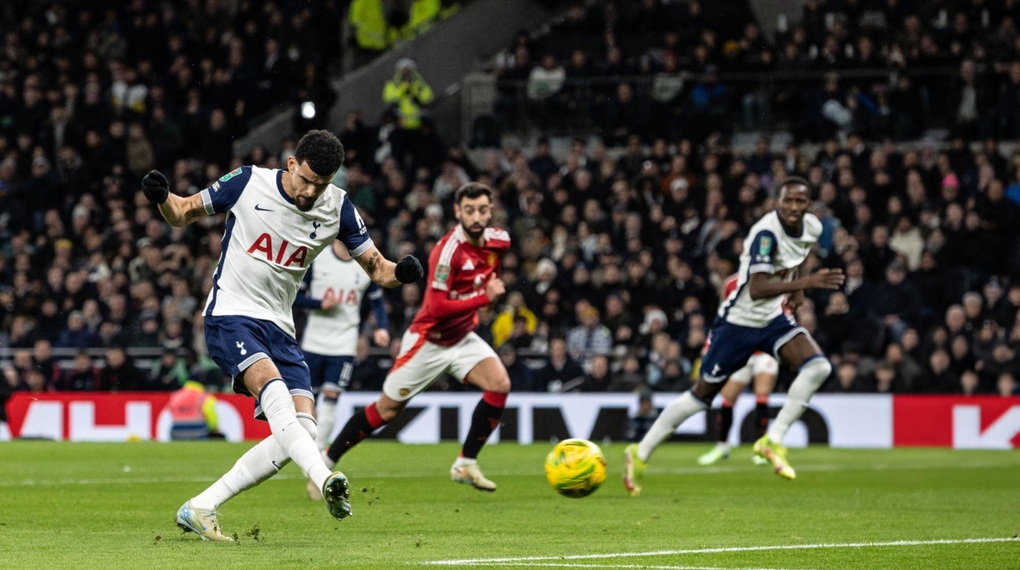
470, 474
200, 521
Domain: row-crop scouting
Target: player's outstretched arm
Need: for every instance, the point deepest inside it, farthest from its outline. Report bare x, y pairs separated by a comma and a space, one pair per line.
176, 210
761, 285
389, 274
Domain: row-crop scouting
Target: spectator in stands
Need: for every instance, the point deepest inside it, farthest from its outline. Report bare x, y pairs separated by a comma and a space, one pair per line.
409, 95
84, 377
120, 374
545, 92
368, 21
76, 335
1006, 385
847, 380
37, 382
897, 301
44, 361
940, 379
560, 370
589, 338
626, 114
505, 323
519, 372
598, 378
169, 373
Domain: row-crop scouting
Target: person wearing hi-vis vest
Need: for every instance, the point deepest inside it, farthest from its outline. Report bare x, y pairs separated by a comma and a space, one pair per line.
369, 30
409, 95
193, 411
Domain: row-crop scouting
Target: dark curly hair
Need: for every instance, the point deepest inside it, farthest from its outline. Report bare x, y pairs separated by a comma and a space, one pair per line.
322, 150
472, 190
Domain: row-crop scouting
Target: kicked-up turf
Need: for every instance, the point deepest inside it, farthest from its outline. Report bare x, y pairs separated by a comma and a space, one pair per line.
76, 505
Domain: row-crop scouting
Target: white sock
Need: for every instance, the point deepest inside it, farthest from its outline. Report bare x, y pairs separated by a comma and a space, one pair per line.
255, 466
326, 459
325, 413
462, 461
675, 414
810, 377
278, 406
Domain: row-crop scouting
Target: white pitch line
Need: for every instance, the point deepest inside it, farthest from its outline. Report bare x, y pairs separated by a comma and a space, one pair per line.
823, 545
508, 472
603, 565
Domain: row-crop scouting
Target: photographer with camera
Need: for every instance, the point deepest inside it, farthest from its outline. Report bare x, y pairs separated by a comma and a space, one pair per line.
408, 94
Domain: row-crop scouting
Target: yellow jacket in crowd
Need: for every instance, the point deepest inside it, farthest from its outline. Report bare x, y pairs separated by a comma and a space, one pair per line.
408, 93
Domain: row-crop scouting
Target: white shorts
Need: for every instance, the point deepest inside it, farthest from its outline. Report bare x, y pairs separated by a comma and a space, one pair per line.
420, 363
759, 363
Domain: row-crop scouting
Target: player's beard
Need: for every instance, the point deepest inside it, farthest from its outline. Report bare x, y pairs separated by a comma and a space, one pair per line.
474, 233
304, 204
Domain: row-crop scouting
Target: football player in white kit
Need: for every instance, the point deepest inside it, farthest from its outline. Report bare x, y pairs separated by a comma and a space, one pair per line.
751, 319
333, 290
763, 369
277, 222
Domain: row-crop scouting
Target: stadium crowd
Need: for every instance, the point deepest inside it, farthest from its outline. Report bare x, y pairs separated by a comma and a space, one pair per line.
880, 68
617, 259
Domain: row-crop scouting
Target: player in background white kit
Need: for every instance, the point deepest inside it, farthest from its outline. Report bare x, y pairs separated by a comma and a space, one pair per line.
333, 290
277, 222
752, 319
763, 369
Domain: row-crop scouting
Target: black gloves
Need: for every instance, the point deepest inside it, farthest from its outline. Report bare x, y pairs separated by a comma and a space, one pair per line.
156, 187
409, 270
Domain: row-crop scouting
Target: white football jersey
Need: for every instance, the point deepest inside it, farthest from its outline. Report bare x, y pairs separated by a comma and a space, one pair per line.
768, 249
334, 332
268, 243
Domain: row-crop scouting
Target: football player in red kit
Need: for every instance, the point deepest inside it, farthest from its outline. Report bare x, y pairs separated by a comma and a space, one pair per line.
463, 277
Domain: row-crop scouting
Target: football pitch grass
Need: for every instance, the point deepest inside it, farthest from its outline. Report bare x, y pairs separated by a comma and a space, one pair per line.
65, 505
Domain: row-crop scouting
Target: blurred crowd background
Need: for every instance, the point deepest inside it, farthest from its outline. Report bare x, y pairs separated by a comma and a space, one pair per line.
632, 144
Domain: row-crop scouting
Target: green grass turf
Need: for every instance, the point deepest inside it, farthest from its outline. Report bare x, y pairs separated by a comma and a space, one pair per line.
112, 506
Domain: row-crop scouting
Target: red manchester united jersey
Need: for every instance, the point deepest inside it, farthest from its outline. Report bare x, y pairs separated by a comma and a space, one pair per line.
458, 272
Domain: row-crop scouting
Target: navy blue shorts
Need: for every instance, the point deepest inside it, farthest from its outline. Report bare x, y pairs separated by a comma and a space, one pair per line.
235, 343
331, 372
731, 345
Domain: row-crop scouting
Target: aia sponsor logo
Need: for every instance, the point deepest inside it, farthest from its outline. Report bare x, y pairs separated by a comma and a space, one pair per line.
286, 254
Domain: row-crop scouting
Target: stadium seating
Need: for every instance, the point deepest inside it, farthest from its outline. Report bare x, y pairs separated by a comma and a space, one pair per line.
918, 195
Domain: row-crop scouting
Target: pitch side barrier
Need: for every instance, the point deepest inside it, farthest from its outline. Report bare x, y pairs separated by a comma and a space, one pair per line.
836, 420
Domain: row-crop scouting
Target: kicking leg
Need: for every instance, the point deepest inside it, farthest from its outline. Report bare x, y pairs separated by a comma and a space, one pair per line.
281, 411
325, 414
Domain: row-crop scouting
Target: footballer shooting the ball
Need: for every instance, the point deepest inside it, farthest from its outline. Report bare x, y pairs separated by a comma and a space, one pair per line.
277, 222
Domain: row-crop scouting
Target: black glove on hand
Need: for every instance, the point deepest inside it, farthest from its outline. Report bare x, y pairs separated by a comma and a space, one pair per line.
409, 270
156, 187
